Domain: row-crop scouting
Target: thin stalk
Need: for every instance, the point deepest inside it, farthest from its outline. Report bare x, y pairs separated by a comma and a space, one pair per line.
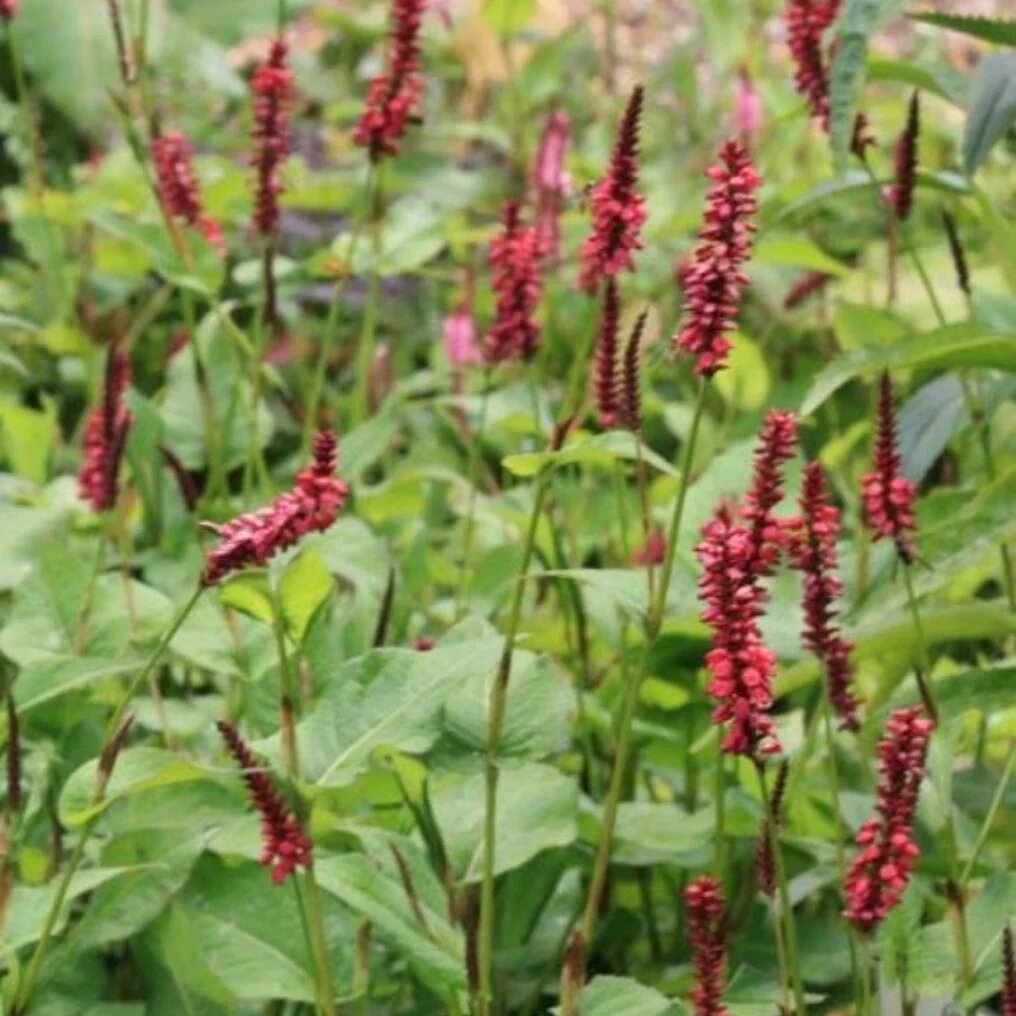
81, 625
368, 331
319, 944
720, 794
642, 478
786, 911
923, 669
474, 479
867, 978
989, 819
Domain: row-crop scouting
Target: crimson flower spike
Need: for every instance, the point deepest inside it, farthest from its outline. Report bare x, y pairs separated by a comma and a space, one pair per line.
619, 210
514, 258
806, 286
608, 390
272, 85
765, 861
631, 376
812, 549
8, 8
106, 435
286, 846
888, 495
879, 874
959, 257
311, 506
178, 186
776, 446
394, 97
713, 281
707, 922
1008, 972
901, 192
550, 182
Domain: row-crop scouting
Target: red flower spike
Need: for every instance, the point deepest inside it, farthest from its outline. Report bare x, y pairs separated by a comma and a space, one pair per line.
106, 436
1008, 972
8, 8
888, 495
608, 382
619, 210
777, 444
880, 872
514, 259
653, 551
901, 193
765, 861
807, 285
286, 847
550, 182
714, 281
741, 666
393, 97
272, 85
311, 506
707, 922
959, 257
812, 548
631, 376
807, 22
178, 186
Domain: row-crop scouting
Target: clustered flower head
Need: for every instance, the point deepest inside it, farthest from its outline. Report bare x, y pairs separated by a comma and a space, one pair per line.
619, 210
765, 858
1008, 972
607, 377
901, 192
393, 97
807, 22
286, 846
880, 872
888, 495
311, 506
737, 550
714, 280
706, 933
106, 435
514, 258
812, 548
8, 8
178, 186
272, 85
550, 181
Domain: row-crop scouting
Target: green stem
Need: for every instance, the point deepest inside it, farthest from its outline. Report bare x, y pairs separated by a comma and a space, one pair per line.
720, 793
368, 331
474, 479
989, 819
923, 668
319, 944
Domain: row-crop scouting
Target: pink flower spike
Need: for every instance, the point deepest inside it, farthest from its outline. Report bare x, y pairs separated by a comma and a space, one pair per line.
714, 280
458, 331
272, 86
747, 117
550, 182
106, 436
179, 189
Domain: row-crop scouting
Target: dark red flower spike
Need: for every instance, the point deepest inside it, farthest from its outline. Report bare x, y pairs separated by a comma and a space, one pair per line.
106, 435
272, 85
707, 923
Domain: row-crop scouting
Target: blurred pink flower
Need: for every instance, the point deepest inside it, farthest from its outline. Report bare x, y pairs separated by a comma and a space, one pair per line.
459, 333
747, 109
550, 181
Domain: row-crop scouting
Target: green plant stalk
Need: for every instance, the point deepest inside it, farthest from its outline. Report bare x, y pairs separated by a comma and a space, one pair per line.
720, 793
474, 479
28, 985
368, 331
629, 703
786, 911
989, 819
923, 669
642, 479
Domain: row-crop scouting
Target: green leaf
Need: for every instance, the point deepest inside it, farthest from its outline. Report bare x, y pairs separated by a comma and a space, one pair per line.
963, 344
27, 437
797, 252
745, 384
508, 17
846, 77
998, 30
650, 833
42, 682
927, 422
303, 589
941, 80
624, 996
536, 810
992, 107
602, 450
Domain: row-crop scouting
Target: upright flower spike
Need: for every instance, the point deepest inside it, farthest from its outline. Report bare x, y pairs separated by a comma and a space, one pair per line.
740, 664
178, 185
394, 97
777, 444
765, 860
714, 280
747, 116
707, 922
458, 330
1008, 972
550, 182
880, 872
888, 495
631, 376
812, 548
514, 259
959, 257
106, 435
311, 506
807, 22
619, 210
286, 846
272, 86
608, 383
901, 192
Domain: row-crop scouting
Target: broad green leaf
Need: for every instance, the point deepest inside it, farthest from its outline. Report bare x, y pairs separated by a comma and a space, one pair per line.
745, 384
368, 886
27, 437
861, 326
992, 107
250, 594
964, 344
927, 422
649, 833
797, 252
303, 589
536, 810
602, 450
623, 996
507, 17
941, 80
1001, 31
40, 682
628, 590
846, 77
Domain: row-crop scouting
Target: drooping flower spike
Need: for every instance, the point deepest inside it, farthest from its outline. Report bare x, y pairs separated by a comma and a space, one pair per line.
550, 182
714, 280
311, 506
514, 259
106, 435
879, 874
619, 210
888, 495
811, 545
286, 846
607, 375
178, 186
901, 192
272, 86
806, 286
393, 98
707, 930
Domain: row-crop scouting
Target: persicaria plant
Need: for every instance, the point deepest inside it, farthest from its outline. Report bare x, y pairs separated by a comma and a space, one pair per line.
506, 509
